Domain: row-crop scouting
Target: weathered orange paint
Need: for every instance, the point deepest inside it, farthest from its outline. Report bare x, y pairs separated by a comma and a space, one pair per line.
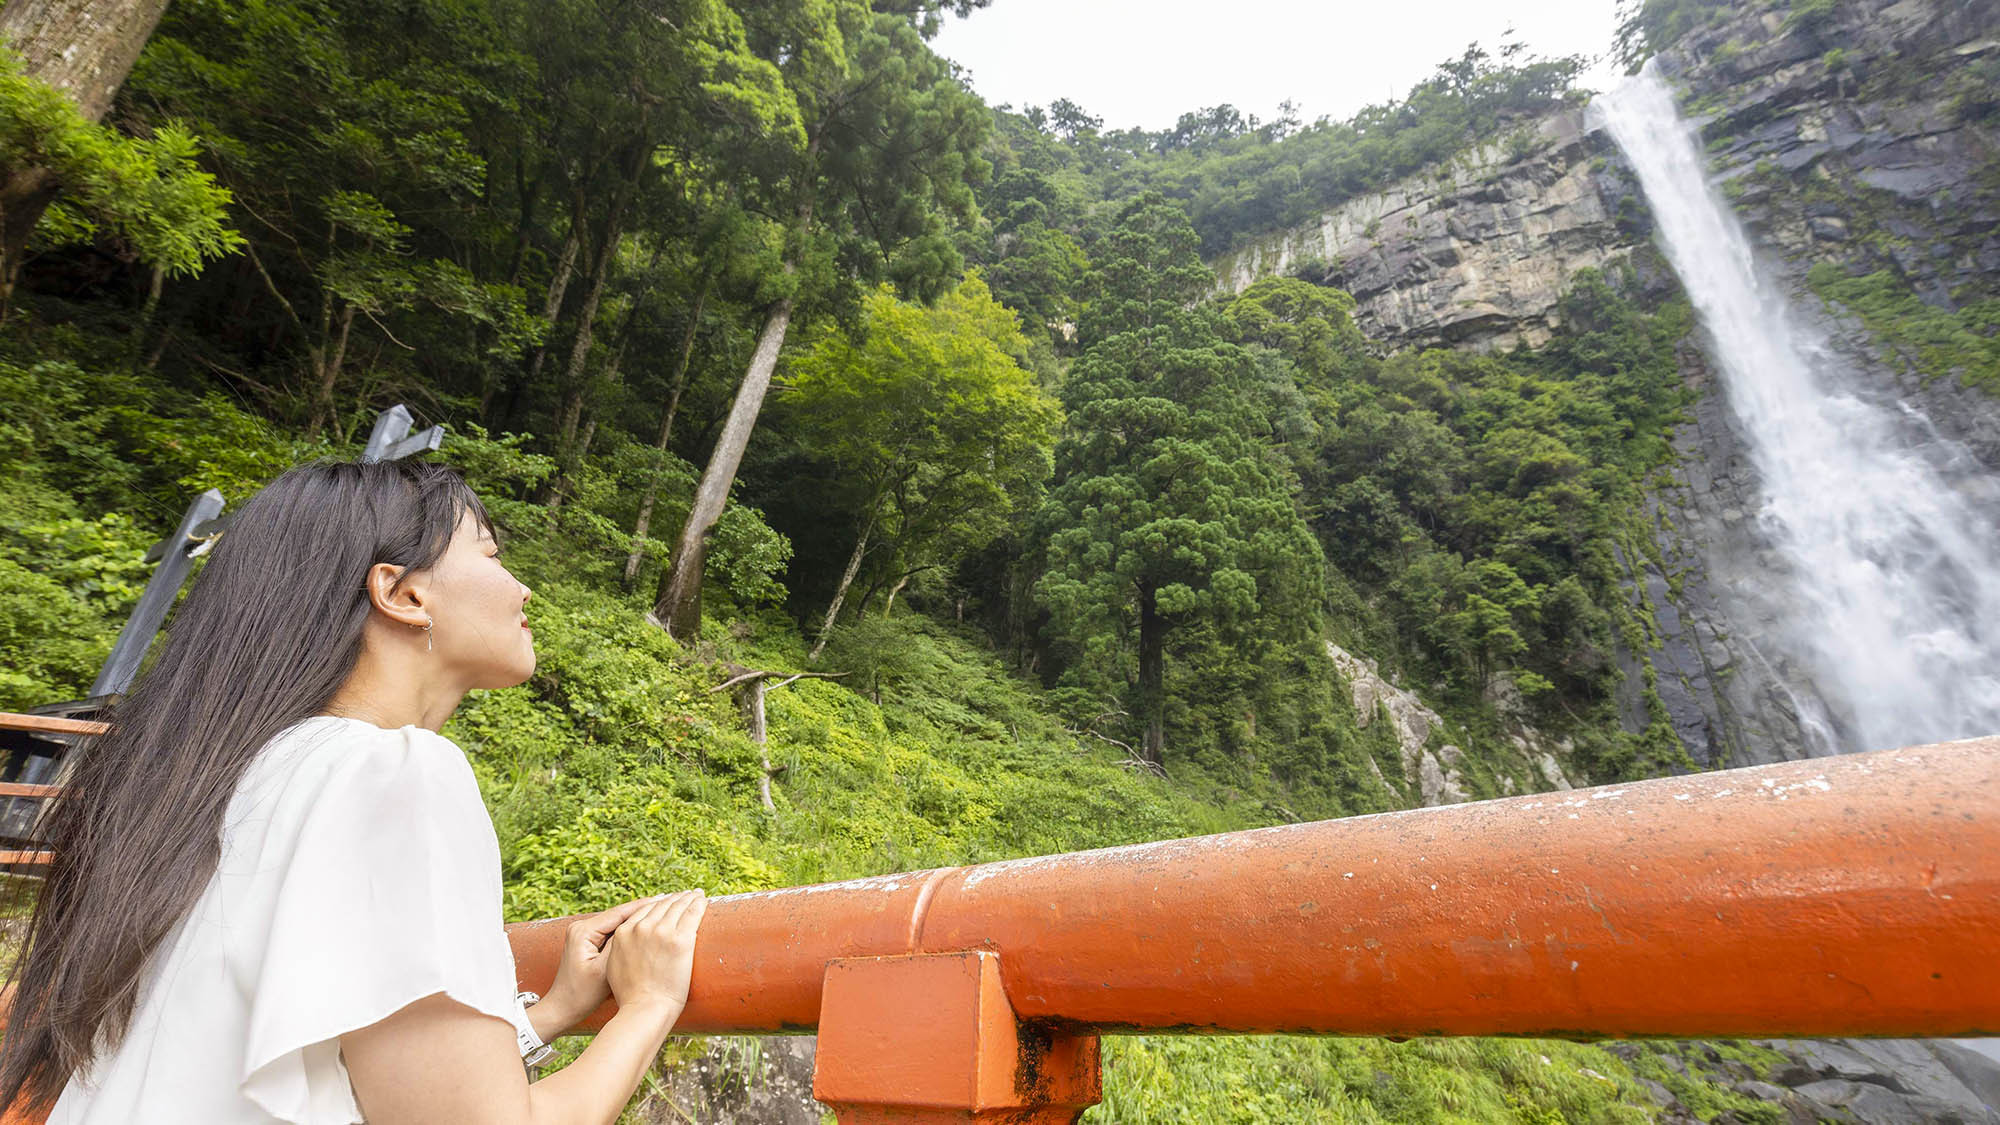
1857, 895
931, 1038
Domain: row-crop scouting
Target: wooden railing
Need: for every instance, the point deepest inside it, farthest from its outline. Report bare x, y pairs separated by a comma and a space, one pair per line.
40, 724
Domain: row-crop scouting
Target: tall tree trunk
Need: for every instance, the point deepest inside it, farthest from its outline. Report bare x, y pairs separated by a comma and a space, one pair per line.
652, 496
84, 49
846, 580
559, 283
889, 603
679, 603
586, 335
1152, 674
903, 580
151, 309
325, 412
575, 388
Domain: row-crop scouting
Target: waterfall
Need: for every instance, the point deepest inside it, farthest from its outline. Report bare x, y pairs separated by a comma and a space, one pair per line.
1891, 572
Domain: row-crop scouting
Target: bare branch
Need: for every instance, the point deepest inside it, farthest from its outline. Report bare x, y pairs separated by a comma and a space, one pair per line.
749, 674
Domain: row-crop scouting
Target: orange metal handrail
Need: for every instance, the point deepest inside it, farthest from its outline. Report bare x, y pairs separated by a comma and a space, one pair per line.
40, 724
50, 724
1857, 895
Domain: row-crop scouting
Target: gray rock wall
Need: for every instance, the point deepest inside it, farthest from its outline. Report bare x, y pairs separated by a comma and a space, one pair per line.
1473, 254
1864, 158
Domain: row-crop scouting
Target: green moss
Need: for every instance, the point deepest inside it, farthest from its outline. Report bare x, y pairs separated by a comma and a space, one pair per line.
1936, 342
1695, 1074
1810, 15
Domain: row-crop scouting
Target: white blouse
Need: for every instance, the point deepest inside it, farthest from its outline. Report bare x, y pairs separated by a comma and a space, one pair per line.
359, 873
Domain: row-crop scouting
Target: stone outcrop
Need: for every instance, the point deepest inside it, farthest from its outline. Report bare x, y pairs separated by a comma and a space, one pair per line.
1473, 254
1838, 1081
1889, 1081
1433, 774
1729, 700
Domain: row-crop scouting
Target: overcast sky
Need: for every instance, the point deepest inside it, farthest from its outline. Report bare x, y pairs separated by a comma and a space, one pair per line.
1146, 62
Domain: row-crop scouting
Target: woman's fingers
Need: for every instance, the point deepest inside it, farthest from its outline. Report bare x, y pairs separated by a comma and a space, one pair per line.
593, 930
604, 923
675, 908
648, 915
653, 956
690, 919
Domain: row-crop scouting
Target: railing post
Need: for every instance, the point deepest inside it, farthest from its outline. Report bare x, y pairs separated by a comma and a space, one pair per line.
161, 590
931, 1038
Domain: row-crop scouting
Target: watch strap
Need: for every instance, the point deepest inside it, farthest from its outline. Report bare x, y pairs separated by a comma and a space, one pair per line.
533, 1050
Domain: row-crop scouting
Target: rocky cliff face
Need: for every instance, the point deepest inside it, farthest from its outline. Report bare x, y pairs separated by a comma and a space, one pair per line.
1471, 254
1880, 153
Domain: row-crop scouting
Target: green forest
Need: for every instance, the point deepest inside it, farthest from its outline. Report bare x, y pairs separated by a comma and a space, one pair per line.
770, 345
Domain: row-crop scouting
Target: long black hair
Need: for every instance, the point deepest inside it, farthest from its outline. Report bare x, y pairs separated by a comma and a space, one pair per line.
268, 634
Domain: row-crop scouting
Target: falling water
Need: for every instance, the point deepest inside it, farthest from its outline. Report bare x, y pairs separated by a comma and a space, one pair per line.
1894, 574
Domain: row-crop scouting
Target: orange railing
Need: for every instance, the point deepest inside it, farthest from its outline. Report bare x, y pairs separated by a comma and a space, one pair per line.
1857, 895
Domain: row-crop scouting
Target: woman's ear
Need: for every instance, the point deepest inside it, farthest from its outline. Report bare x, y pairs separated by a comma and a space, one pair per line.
402, 604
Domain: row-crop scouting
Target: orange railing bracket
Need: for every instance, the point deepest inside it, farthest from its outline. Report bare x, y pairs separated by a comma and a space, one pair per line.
932, 1038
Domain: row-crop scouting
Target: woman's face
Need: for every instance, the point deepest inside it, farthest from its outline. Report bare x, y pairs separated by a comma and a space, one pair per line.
479, 628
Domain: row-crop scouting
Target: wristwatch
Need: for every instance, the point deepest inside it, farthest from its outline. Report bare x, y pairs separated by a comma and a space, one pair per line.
533, 1050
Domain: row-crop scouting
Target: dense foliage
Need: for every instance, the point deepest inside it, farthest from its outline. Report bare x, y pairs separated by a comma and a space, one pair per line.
1963, 342
145, 190
1170, 516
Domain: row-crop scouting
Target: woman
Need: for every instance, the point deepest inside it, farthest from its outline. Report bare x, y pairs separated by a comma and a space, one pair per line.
276, 894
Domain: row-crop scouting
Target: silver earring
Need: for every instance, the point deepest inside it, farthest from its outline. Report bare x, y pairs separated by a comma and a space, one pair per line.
427, 632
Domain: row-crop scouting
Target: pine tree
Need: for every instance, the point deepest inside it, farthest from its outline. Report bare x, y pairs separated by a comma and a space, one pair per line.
1167, 512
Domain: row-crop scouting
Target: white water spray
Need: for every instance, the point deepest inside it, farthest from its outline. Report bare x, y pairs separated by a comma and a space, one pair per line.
1895, 574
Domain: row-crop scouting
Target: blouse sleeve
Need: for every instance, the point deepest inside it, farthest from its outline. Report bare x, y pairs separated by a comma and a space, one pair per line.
382, 877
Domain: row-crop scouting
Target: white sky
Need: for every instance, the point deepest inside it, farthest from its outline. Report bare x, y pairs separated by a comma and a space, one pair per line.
1146, 62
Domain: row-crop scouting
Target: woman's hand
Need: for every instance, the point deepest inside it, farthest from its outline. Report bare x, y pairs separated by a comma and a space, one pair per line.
645, 958
580, 985
651, 954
